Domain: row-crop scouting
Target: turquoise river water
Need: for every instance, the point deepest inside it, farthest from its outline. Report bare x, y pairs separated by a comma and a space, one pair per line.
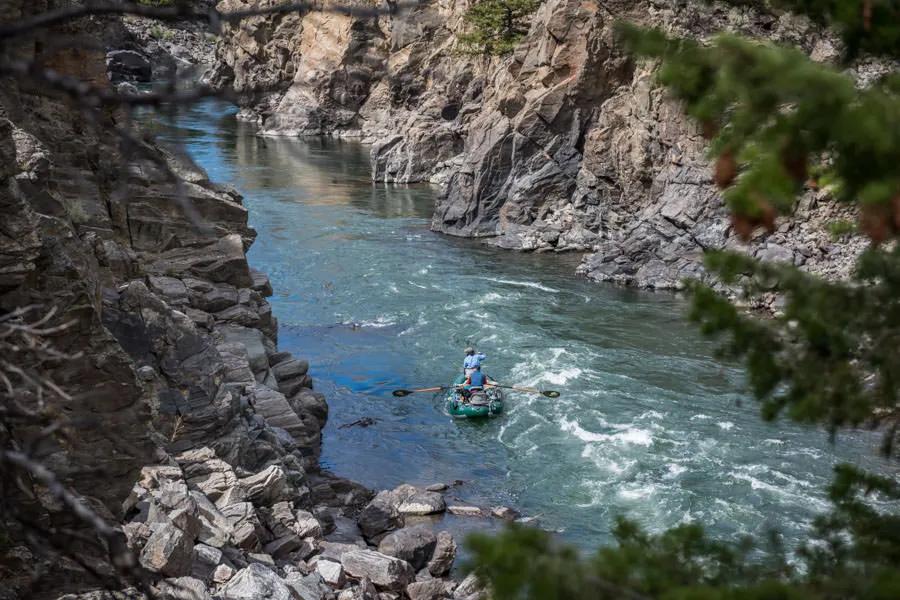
649, 424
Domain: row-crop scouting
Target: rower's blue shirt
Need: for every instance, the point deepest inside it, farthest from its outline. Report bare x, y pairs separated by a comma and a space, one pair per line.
477, 379
473, 361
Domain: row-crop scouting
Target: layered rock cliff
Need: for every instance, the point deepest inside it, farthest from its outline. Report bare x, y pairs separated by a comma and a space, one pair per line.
566, 144
168, 409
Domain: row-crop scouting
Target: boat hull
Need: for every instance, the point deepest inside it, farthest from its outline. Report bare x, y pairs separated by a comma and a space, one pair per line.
459, 407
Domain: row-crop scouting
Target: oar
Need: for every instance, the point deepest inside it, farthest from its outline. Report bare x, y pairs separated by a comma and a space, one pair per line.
401, 393
548, 393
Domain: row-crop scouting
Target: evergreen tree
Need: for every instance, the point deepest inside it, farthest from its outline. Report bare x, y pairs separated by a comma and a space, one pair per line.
778, 124
496, 26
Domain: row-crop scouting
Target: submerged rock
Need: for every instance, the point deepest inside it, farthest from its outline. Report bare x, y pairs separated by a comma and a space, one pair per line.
504, 512
465, 510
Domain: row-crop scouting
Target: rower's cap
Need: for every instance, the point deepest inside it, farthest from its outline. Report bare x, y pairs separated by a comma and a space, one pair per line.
470, 350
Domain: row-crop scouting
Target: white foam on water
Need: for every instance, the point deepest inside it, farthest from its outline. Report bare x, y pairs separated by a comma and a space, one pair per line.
376, 323
674, 470
561, 377
421, 287
605, 462
772, 442
420, 322
700, 417
725, 425
494, 298
636, 492
582, 434
811, 452
626, 435
634, 436
455, 307
786, 492
651, 414
528, 284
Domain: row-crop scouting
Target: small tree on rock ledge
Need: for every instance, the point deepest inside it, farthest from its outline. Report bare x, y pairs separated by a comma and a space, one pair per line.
497, 25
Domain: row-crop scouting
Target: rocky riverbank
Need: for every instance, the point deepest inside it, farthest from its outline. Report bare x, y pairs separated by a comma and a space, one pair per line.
564, 145
177, 420
144, 50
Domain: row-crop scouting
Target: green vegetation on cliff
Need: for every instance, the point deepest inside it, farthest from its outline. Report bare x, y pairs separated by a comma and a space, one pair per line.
496, 26
779, 125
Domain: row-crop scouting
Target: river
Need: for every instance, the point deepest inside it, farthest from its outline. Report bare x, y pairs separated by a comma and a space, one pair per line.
649, 425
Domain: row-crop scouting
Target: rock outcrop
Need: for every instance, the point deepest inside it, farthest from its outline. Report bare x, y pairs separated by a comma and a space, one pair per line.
565, 145
181, 424
177, 420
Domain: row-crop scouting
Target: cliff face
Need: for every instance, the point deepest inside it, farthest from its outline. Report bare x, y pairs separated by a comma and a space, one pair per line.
140, 261
189, 442
564, 145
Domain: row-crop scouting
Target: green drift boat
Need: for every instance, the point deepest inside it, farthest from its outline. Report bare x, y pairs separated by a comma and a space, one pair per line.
480, 403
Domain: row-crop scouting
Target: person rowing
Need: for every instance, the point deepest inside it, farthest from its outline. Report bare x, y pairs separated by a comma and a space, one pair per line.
476, 380
472, 362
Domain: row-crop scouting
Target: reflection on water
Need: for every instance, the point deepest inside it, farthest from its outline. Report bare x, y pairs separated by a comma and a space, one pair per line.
649, 423
311, 169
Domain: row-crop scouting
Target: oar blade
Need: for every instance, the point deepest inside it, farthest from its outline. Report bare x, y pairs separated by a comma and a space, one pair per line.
401, 393
551, 393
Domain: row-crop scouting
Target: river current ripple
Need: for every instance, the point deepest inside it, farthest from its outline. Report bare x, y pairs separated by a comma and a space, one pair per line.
649, 424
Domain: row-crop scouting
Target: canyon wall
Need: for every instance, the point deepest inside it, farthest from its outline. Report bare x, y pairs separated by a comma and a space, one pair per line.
165, 405
564, 145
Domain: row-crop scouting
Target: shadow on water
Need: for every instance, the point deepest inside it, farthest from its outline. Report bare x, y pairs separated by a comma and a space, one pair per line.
649, 423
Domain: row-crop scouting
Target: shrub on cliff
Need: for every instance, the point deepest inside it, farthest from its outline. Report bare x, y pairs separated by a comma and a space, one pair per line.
496, 26
778, 124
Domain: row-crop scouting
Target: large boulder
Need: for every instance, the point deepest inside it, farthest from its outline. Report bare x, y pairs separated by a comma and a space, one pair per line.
468, 587
222, 261
168, 551
411, 500
252, 340
215, 529
332, 572
183, 588
128, 65
384, 571
379, 515
430, 589
444, 555
206, 559
415, 545
256, 582
291, 369
266, 486
307, 587
214, 477
246, 530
